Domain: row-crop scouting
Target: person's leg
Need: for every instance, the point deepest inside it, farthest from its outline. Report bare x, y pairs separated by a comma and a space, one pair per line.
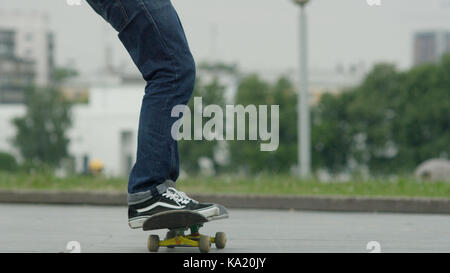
151, 32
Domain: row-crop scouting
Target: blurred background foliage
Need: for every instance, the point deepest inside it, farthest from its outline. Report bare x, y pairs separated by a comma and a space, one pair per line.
389, 124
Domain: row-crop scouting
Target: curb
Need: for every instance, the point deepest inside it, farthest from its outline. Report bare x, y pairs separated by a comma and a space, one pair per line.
314, 203
334, 203
63, 197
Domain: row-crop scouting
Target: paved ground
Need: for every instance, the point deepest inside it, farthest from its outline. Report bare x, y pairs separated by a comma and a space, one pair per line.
48, 228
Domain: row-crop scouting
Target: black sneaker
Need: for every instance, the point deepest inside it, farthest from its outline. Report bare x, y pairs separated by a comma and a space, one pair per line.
170, 200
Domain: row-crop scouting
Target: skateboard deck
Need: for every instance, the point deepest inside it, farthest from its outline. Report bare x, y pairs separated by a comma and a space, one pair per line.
174, 219
180, 221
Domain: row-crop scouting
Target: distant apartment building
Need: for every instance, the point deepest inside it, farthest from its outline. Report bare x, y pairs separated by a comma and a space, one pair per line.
26, 53
429, 46
15, 75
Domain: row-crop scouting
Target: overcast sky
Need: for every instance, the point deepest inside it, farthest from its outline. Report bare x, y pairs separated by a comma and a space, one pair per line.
260, 35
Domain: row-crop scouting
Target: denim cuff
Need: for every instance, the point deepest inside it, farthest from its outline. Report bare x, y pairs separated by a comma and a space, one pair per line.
139, 197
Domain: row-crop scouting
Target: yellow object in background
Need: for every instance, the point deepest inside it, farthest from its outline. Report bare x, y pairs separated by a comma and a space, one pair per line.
95, 166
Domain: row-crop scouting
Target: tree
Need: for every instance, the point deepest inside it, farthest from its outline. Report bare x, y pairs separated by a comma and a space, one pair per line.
371, 113
7, 162
41, 133
422, 131
391, 122
330, 132
61, 74
284, 94
246, 155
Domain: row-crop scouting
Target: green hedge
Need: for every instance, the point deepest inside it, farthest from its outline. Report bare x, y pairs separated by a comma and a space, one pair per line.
8, 162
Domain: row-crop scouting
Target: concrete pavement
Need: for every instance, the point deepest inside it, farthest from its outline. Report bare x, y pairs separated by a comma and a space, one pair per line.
48, 228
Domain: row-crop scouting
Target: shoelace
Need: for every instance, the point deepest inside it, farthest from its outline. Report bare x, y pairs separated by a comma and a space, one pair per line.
178, 196
187, 197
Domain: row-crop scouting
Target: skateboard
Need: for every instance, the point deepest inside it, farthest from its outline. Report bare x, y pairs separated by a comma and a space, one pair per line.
180, 221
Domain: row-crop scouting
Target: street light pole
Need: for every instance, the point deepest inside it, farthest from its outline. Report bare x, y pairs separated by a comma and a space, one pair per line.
304, 146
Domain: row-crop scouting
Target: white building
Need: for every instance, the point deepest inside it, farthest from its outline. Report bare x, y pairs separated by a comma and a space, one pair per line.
105, 129
31, 40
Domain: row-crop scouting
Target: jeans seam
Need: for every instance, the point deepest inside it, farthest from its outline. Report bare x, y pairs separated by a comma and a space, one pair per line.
150, 17
166, 48
125, 15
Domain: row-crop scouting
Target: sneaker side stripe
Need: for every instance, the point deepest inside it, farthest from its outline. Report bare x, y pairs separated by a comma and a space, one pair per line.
162, 204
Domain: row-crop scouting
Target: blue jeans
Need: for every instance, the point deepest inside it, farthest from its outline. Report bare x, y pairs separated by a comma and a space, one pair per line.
153, 35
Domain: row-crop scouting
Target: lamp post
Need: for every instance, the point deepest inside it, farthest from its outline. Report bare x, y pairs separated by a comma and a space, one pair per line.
304, 146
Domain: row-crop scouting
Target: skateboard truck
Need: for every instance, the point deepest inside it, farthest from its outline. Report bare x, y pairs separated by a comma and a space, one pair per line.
177, 238
178, 222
